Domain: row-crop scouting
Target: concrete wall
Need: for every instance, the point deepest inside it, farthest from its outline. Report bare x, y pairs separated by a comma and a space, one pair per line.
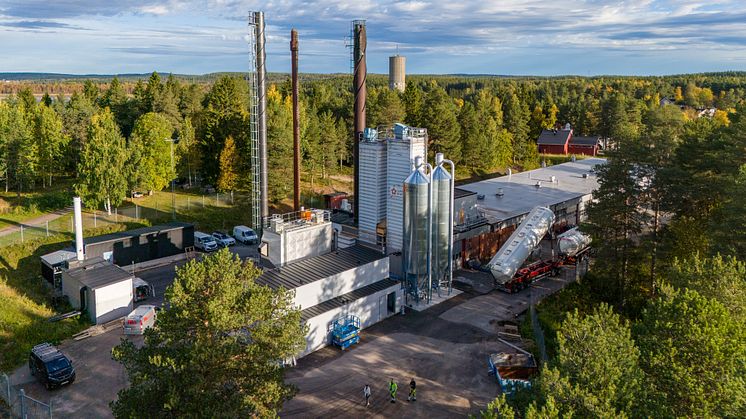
333, 286
370, 310
111, 302
71, 288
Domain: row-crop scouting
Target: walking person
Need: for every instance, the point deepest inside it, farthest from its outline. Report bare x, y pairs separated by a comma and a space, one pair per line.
412, 391
392, 390
366, 393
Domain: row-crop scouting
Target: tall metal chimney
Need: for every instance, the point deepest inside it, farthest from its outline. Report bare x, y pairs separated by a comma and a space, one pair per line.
78, 216
360, 43
261, 73
296, 120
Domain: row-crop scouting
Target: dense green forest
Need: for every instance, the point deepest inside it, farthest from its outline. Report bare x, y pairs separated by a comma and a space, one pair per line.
115, 136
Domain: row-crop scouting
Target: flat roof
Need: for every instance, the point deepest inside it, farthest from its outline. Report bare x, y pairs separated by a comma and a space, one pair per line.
520, 194
135, 233
343, 299
302, 272
59, 257
460, 193
99, 274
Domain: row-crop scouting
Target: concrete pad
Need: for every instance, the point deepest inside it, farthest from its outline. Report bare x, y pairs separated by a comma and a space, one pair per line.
452, 379
437, 299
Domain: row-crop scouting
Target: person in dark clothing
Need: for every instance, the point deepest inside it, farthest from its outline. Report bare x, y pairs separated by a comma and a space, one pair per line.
412, 391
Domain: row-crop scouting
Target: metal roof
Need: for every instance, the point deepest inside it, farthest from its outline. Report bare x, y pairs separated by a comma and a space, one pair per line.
59, 257
98, 275
558, 137
585, 141
135, 233
520, 194
313, 269
343, 299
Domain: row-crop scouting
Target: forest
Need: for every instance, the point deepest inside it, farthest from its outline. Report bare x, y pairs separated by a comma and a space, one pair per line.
114, 136
658, 326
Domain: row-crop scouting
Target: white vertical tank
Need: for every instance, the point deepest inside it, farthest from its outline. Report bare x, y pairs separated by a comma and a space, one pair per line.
441, 240
416, 229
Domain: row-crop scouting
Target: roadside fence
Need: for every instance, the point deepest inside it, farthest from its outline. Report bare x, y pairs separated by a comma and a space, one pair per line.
20, 405
160, 207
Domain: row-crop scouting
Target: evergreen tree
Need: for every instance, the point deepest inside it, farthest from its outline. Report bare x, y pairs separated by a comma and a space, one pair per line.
76, 117
693, 353
439, 117
188, 152
225, 114
516, 119
102, 169
279, 145
216, 350
413, 105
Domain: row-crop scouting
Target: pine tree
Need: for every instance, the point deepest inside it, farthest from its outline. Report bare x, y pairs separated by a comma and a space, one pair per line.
279, 145
413, 104
439, 117
218, 348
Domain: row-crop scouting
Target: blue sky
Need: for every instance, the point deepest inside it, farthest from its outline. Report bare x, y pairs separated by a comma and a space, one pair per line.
527, 37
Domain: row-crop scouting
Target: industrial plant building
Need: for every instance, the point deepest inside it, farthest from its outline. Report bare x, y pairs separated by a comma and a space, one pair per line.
488, 211
328, 282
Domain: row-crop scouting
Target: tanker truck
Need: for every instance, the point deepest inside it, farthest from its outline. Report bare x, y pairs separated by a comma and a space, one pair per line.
507, 267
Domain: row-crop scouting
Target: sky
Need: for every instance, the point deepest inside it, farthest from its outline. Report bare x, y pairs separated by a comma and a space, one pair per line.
507, 37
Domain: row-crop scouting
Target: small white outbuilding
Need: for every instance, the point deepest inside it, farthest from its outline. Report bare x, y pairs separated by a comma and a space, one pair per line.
99, 288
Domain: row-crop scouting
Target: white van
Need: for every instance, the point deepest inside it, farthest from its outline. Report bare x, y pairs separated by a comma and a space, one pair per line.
205, 242
139, 319
245, 235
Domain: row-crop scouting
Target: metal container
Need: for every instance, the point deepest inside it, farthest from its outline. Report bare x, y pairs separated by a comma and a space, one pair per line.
521, 243
441, 241
416, 229
572, 242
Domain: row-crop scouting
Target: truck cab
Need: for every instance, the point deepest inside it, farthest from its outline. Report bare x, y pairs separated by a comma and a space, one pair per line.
50, 366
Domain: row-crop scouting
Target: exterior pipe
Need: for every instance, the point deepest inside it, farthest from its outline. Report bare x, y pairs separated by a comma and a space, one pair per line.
296, 120
78, 216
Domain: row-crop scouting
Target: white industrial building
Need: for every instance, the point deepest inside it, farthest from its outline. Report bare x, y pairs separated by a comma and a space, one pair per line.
337, 282
99, 288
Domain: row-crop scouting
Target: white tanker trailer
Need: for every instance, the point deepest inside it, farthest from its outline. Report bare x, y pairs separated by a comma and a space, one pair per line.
572, 243
509, 259
507, 267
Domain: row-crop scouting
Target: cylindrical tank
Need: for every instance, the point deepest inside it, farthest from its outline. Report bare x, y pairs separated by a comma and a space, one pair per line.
520, 244
397, 73
416, 234
572, 242
441, 223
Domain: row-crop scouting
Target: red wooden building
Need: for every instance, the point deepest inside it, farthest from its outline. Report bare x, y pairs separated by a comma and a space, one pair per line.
584, 145
554, 141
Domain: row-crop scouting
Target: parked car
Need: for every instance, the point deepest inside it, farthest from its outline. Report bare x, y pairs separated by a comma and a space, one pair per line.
139, 319
136, 194
50, 366
205, 242
245, 235
141, 289
223, 239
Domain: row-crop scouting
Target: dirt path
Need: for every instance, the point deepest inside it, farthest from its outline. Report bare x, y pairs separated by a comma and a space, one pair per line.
35, 222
